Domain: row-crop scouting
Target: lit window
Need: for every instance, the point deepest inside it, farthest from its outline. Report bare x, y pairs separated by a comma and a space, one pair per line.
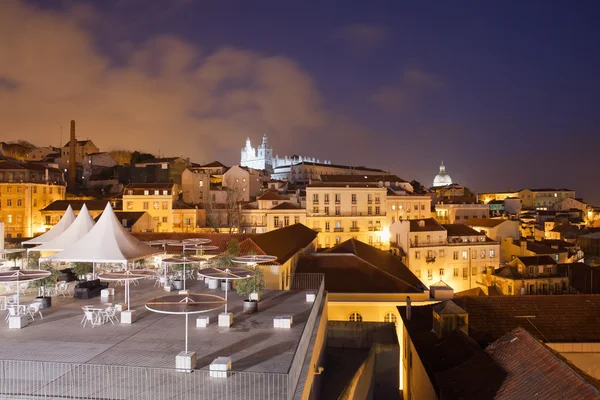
390, 318
156, 205
393, 207
355, 317
156, 192
129, 205
465, 255
201, 183
146, 192
492, 253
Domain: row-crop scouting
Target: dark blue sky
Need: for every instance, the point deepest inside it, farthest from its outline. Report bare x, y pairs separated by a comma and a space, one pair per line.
506, 95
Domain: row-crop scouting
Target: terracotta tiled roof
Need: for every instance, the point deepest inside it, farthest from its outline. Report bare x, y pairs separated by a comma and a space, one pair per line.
149, 186
429, 225
283, 243
461, 230
508, 272
485, 222
92, 205
536, 260
286, 205
270, 196
218, 239
531, 370
582, 277
471, 292
357, 178
551, 318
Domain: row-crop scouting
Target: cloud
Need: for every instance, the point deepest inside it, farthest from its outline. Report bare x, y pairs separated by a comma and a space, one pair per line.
408, 92
364, 36
166, 94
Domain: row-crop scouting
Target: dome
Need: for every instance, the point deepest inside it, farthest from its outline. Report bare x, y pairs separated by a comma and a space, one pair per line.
442, 179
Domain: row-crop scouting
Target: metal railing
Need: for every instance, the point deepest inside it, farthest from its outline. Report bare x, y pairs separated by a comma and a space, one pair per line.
43, 380
305, 282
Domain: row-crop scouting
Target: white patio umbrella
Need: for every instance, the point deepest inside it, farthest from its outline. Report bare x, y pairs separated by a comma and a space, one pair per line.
22, 276
226, 274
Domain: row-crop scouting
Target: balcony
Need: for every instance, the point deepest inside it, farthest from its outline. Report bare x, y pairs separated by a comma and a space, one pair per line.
317, 229
430, 260
338, 229
346, 214
428, 244
355, 229
375, 228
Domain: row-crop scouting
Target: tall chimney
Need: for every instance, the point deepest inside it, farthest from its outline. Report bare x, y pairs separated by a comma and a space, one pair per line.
408, 308
72, 162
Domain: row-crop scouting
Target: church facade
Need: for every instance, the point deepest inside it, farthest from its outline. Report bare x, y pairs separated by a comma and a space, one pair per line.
262, 158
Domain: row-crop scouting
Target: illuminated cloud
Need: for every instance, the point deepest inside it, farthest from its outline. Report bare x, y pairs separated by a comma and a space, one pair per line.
166, 95
364, 36
406, 94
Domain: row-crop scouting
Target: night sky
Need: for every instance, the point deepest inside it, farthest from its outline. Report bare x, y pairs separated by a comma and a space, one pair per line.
506, 94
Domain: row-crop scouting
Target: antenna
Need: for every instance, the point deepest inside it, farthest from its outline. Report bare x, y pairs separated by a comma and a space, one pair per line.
60, 144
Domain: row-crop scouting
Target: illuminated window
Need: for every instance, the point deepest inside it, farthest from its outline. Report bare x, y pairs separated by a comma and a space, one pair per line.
390, 318
482, 254
393, 207
355, 317
129, 205
156, 205
465, 255
492, 253
156, 192
9, 218
201, 183
146, 192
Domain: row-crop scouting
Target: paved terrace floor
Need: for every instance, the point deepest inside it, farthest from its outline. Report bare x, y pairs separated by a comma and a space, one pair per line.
155, 339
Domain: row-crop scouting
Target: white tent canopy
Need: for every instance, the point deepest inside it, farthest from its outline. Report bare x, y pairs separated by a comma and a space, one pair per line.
64, 223
78, 229
107, 242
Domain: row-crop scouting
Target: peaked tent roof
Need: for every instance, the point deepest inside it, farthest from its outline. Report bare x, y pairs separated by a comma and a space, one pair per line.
78, 229
107, 242
65, 222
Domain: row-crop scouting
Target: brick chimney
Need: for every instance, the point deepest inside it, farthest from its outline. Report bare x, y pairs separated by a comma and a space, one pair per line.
72, 162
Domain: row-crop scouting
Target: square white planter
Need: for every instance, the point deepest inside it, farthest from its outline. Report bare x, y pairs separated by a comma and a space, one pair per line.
18, 321
283, 322
119, 307
202, 322
225, 320
219, 367
185, 362
128, 317
184, 291
213, 283
167, 288
311, 297
105, 293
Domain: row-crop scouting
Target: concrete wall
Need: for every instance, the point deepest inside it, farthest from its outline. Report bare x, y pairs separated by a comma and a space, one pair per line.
585, 356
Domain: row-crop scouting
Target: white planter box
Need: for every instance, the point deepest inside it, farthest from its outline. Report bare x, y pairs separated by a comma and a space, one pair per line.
128, 317
17, 321
185, 362
311, 297
105, 293
283, 322
219, 367
184, 291
213, 283
225, 320
202, 322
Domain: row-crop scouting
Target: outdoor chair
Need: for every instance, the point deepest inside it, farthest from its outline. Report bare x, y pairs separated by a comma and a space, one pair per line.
62, 288
92, 318
34, 308
110, 314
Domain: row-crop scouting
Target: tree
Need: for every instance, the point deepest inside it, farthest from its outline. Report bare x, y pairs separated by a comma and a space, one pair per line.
14, 256
418, 188
137, 157
255, 283
82, 268
214, 218
121, 156
233, 204
49, 281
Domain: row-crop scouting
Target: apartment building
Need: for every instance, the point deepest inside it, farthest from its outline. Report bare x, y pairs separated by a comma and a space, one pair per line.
459, 213
542, 199
25, 189
155, 198
344, 211
270, 211
452, 253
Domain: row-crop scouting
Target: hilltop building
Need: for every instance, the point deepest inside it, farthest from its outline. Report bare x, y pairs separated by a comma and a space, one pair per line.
442, 179
262, 157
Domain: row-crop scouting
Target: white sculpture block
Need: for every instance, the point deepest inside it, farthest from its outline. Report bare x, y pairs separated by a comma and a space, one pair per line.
128, 317
202, 322
219, 367
17, 321
311, 297
225, 320
185, 362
